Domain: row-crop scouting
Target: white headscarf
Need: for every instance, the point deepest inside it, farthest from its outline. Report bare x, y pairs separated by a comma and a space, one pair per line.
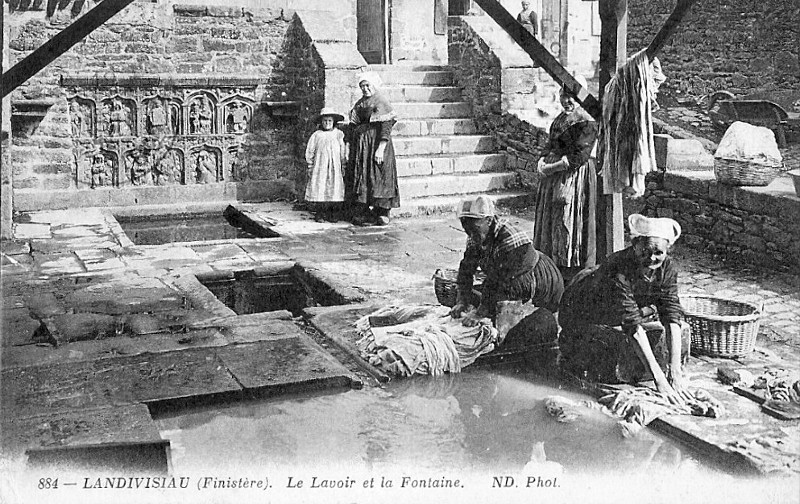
371, 77
655, 227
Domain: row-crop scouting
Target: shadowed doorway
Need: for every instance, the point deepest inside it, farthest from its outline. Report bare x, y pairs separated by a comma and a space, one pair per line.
371, 19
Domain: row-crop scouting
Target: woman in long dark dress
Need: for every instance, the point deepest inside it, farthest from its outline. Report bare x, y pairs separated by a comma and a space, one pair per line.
371, 181
565, 226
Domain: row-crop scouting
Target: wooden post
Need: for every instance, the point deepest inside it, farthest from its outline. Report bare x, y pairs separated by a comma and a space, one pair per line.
59, 44
613, 53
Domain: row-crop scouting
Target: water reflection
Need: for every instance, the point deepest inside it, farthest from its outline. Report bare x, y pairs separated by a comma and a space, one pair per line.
482, 420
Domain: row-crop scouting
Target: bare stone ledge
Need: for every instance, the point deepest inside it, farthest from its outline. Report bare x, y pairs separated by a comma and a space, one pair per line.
132, 197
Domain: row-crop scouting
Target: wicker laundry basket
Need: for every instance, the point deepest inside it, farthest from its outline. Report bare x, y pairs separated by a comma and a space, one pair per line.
745, 173
446, 289
721, 327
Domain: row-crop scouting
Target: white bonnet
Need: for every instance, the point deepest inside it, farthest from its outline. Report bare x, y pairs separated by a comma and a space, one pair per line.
655, 227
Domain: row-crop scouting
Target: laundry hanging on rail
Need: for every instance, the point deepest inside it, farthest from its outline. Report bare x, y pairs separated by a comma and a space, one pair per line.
626, 132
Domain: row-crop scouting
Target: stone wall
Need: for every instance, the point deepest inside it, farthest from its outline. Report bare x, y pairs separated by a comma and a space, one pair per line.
412, 33
134, 91
738, 45
511, 100
322, 66
739, 224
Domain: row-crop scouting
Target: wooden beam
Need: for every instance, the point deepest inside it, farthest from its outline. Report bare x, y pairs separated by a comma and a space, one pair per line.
59, 44
613, 54
669, 28
541, 55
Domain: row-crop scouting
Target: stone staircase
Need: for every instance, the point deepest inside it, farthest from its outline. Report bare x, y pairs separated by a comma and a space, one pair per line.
441, 157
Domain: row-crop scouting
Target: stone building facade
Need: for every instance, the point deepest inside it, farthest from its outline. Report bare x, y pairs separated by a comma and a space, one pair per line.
196, 101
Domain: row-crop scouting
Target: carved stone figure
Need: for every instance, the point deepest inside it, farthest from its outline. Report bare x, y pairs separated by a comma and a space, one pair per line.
77, 119
157, 119
238, 118
206, 115
194, 118
102, 169
174, 119
120, 120
105, 120
166, 169
140, 168
206, 168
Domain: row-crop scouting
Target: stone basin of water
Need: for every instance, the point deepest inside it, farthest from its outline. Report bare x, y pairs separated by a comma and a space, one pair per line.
179, 228
480, 427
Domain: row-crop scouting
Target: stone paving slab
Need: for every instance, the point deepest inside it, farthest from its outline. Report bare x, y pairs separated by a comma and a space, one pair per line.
15, 247
742, 422
126, 345
51, 388
116, 300
63, 263
285, 365
165, 377
18, 327
336, 324
78, 429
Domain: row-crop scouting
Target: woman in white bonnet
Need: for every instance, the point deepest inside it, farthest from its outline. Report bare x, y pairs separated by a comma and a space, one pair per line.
622, 321
371, 181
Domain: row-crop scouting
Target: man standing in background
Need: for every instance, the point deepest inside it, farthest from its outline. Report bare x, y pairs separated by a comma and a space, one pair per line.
528, 18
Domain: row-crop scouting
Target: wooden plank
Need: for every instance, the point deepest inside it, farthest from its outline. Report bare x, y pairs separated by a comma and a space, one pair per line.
541, 55
59, 44
613, 53
669, 28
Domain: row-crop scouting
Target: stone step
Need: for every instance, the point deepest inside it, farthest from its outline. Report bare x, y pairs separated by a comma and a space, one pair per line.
409, 67
454, 185
433, 205
400, 94
416, 127
433, 110
401, 76
414, 166
451, 144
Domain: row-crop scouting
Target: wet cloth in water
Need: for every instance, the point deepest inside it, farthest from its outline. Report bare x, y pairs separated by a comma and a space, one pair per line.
639, 406
421, 339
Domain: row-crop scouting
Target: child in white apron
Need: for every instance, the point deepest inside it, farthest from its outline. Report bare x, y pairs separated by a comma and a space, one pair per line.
325, 157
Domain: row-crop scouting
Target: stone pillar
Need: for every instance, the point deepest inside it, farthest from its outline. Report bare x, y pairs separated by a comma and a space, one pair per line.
6, 207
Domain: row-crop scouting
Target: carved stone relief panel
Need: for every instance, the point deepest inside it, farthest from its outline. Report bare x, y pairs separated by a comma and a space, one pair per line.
168, 166
82, 117
202, 115
157, 121
207, 162
237, 112
119, 115
128, 131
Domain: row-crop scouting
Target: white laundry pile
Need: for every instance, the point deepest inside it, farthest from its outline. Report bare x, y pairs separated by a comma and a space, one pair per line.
422, 339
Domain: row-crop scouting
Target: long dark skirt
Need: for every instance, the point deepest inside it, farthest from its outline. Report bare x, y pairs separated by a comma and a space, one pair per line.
604, 354
368, 182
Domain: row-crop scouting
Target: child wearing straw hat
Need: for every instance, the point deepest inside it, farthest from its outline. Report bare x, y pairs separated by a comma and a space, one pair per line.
325, 157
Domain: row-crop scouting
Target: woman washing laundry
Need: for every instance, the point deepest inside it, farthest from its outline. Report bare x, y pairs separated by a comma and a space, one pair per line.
515, 270
622, 321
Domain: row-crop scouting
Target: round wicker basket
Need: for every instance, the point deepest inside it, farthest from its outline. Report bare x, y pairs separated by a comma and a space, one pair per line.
445, 287
745, 173
721, 327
